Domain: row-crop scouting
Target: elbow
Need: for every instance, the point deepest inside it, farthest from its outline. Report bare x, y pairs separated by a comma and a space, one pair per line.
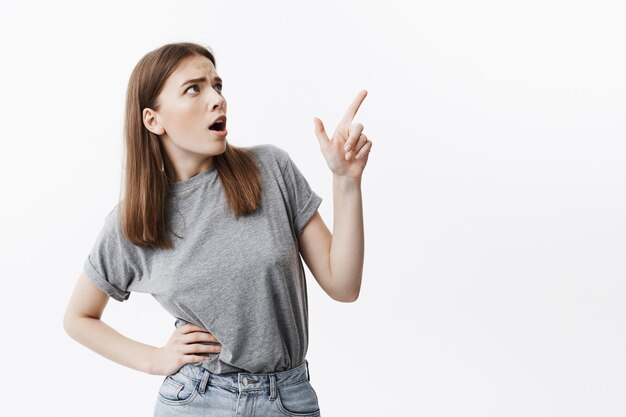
345, 294
346, 298
68, 324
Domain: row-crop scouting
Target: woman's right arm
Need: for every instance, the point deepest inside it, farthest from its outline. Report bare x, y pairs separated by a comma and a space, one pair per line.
82, 322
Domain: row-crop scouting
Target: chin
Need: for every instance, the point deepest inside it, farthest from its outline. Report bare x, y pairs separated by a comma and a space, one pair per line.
221, 147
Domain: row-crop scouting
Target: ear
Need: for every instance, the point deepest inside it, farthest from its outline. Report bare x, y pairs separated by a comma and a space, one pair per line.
151, 121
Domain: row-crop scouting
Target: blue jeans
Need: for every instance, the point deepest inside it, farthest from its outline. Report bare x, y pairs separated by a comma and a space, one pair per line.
194, 391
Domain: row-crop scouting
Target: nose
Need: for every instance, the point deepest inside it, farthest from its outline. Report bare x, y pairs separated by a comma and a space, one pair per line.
216, 100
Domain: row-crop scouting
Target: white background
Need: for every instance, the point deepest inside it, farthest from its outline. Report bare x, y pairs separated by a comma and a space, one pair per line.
494, 196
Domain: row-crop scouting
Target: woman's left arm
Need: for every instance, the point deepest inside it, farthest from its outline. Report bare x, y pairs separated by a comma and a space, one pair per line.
336, 260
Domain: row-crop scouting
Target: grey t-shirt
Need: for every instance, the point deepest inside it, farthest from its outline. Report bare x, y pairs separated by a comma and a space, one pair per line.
241, 279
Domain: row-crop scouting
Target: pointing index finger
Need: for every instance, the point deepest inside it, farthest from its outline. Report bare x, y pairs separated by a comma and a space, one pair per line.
354, 107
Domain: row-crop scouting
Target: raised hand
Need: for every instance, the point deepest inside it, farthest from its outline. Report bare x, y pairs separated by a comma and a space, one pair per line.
347, 151
181, 348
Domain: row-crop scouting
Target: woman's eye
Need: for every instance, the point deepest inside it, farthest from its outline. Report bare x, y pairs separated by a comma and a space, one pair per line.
217, 86
192, 87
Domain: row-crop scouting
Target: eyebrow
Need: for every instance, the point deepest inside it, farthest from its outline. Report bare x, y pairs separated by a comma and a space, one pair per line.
200, 80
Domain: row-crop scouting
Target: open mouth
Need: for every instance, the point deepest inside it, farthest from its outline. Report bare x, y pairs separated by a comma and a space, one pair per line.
218, 126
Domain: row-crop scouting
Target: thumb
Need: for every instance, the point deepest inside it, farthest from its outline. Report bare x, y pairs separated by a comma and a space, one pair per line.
320, 132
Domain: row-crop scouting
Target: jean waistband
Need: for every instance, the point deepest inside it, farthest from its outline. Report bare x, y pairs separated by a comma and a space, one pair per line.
247, 381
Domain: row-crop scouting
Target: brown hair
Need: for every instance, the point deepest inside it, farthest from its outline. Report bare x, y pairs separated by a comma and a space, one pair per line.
146, 189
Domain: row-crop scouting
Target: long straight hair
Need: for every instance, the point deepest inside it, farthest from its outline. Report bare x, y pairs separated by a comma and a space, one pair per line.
143, 220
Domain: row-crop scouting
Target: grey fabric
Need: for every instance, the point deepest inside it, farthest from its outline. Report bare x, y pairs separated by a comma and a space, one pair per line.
241, 279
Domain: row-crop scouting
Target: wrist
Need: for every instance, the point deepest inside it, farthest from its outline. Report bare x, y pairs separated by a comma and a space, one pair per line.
347, 182
151, 364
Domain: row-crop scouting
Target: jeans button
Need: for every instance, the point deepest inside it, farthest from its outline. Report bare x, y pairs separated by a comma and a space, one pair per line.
245, 380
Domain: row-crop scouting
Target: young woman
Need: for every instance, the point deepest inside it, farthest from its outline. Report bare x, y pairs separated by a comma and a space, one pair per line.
215, 232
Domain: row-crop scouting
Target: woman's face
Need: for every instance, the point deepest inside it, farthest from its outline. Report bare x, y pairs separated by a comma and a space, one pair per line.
189, 103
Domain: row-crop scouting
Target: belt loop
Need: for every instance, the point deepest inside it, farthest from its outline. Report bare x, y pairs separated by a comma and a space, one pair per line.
204, 382
272, 387
308, 375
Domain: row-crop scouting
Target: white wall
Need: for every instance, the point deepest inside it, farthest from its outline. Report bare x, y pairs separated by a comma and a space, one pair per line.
494, 195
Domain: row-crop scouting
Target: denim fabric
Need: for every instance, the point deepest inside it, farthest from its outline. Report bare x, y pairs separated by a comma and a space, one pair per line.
195, 391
